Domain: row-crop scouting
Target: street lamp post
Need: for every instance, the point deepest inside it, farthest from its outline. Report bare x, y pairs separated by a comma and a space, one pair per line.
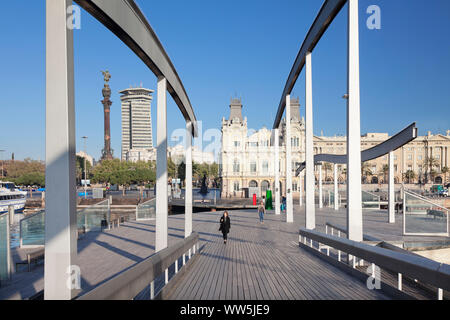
85, 154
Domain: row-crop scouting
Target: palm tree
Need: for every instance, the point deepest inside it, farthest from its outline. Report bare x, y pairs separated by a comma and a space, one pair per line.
365, 171
384, 171
410, 175
445, 170
429, 164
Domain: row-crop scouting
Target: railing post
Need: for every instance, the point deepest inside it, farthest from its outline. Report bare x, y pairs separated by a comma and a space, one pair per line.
354, 206
188, 188
161, 166
184, 259
11, 215
60, 206
336, 188
152, 290
176, 266
108, 214
289, 202
400, 281
320, 187
166, 278
300, 184
310, 214
440, 294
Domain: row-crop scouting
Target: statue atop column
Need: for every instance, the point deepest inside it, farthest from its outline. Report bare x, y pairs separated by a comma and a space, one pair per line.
107, 151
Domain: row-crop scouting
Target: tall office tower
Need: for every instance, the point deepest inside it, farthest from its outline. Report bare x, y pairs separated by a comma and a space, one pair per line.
136, 120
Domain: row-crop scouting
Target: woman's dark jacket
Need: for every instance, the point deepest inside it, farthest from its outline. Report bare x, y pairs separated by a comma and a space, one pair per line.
225, 224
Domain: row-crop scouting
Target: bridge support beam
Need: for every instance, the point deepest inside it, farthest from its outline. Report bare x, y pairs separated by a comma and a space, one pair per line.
60, 207
336, 188
300, 187
320, 187
289, 202
277, 170
391, 189
161, 166
188, 182
354, 206
310, 214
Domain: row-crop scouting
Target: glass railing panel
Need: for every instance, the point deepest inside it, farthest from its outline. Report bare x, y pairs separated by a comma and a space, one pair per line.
369, 200
146, 210
4, 247
423, 217
32, 230
94, 218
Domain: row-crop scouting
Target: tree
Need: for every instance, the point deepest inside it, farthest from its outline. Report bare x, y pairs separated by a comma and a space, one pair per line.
182, 171
384, 171
80, 168
31, 179
171, 168
445, 170
410, 175
430, 163
365, 171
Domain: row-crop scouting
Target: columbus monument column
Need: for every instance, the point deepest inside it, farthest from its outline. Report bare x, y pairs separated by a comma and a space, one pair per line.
107, 152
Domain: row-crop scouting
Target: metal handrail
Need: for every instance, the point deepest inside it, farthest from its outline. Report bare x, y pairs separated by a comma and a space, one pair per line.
128, 284
416, 267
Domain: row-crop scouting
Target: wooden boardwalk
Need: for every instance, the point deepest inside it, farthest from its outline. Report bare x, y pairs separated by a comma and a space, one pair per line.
262, 262
259, 262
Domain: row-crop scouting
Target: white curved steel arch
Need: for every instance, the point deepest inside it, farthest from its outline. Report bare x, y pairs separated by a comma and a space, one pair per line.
125, 19
324, 18
395, 142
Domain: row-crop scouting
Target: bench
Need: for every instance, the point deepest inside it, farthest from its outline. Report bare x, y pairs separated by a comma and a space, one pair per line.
435, 213
27, 256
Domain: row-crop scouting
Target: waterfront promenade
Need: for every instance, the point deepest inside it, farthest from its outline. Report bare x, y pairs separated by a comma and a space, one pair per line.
260, 261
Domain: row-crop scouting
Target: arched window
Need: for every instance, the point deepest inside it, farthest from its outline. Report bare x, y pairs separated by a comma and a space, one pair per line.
253, 184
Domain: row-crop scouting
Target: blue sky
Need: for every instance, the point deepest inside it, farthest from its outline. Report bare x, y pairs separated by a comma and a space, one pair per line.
227, 48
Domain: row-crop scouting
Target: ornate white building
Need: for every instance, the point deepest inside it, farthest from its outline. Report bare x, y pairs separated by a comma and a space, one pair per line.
247, 157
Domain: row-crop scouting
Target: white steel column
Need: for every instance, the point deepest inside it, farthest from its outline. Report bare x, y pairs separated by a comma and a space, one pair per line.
391, 189
60, 205
188, 187
320, 187
277, 170
300, 185
289, 203
310, 214
161, 166
354, 206
336, 188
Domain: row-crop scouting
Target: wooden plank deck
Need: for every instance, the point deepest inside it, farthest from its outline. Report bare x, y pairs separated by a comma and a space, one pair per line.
262, 262
259, 262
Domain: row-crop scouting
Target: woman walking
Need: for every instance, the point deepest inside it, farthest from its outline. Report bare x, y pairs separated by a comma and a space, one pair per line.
225, 226
261, 211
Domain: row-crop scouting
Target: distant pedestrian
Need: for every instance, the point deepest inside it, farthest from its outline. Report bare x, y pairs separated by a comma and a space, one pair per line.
225, 226
261, 211
283, 204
